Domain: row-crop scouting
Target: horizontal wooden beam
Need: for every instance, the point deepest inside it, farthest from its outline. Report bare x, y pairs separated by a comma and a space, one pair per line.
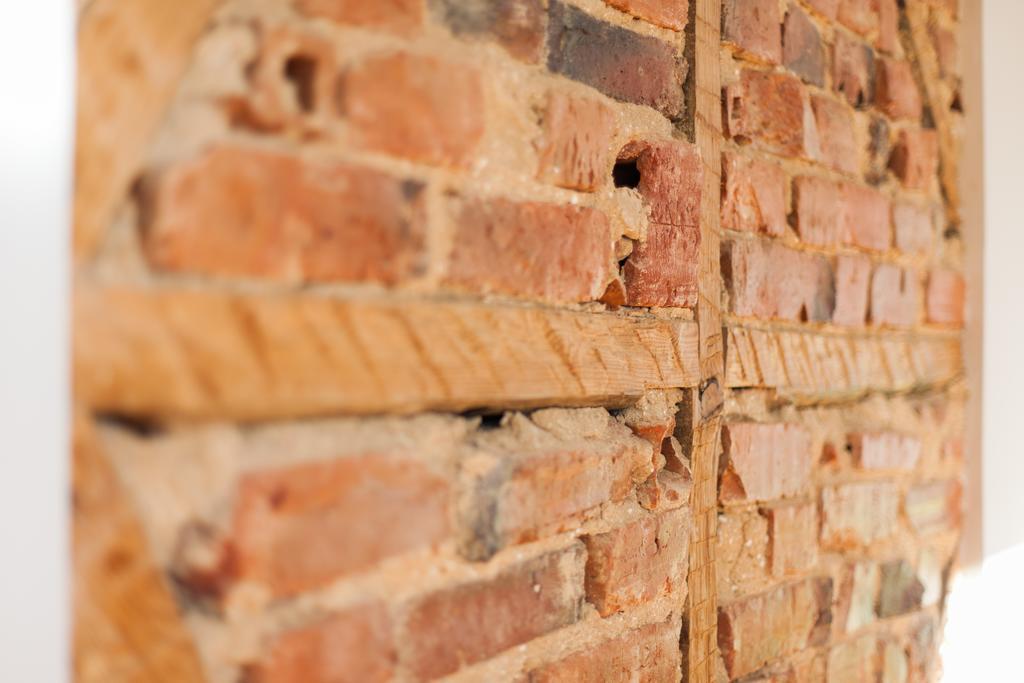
204, 355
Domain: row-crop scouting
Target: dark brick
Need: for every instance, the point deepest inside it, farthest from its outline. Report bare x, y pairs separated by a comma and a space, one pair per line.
802, 50
516, 25
901, 589
622, 64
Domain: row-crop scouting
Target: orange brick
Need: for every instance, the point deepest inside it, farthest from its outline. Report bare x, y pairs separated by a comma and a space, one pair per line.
770, 110
915, 228
858, 514
247, 212
852, 65
638, 562
853, 277
885, 450
506, 247
753, 195
945, 298
896, 90
835, 129
671, 14
768, 280
755, 27
416, 107
915, 159
575, 150
888, 26
765, 461
793, 531
396, 16
895, 296
858, 15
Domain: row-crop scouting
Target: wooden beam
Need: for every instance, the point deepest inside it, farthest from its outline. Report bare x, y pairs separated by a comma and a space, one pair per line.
200, 354
703, 608
131, 56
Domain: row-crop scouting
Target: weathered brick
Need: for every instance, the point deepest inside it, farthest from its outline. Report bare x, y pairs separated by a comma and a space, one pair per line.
853, 661
793, 530
521, 603
575, 150
638, 562
517, 25
835, 130
357, 644
768, 280
859, 513
915, 158
764, 628
742, 548
301, 527
505, 247
803, 51
414, 106
857, 596
830, 213
523, 482
933, 507
868, 217
947, 50
885, 450
858, 15
895, 296
765, 461
894, 664
772, 111
879, 147
944, 303
624, 65
827, 8
915, 227
650, 653
662, 270
754, 26
397, 16
853, 278
853, 70
900, 590
753, 195
671, 14
252, 213
888, 38
896, 90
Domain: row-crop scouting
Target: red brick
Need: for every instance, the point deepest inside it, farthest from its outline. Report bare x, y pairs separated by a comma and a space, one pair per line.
853, 661
650, 654
858, 15
662, 270
852, 70
915, 228
397, 16
765, 461
896, 90
868, 217
671, 14
517, 25
946, 49
827, 8
934, 507
888, 38
416, 107
467, 623
895, 296
803, 51
575, 150
754, 26
624, 65
915, 159
885, 450
293, 83
526, 484
638, 562
772, 111
767, 627
753, 195
303, 526
768, 280
356, 644
506, 247
858, 514
252, 213
945, 299
835, 131
793, 531
853, 277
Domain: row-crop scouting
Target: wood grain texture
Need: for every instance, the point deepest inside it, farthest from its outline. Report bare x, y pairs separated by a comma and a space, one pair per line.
703, 607
126, 626
131, 56
202, 354
814, 365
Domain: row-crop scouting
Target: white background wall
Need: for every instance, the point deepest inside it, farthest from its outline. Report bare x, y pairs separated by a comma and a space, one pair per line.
36, 103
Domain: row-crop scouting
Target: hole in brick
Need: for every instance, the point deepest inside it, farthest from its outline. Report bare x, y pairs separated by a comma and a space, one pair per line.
138, 426
300, 71
626, 174
957, 104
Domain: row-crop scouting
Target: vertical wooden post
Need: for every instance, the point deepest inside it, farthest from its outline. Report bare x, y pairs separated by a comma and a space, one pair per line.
703, 611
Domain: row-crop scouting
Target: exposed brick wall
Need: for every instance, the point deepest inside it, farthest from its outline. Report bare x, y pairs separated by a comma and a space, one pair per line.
402, 350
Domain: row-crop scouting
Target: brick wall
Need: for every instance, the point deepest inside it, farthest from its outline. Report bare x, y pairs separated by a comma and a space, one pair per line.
525, 340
